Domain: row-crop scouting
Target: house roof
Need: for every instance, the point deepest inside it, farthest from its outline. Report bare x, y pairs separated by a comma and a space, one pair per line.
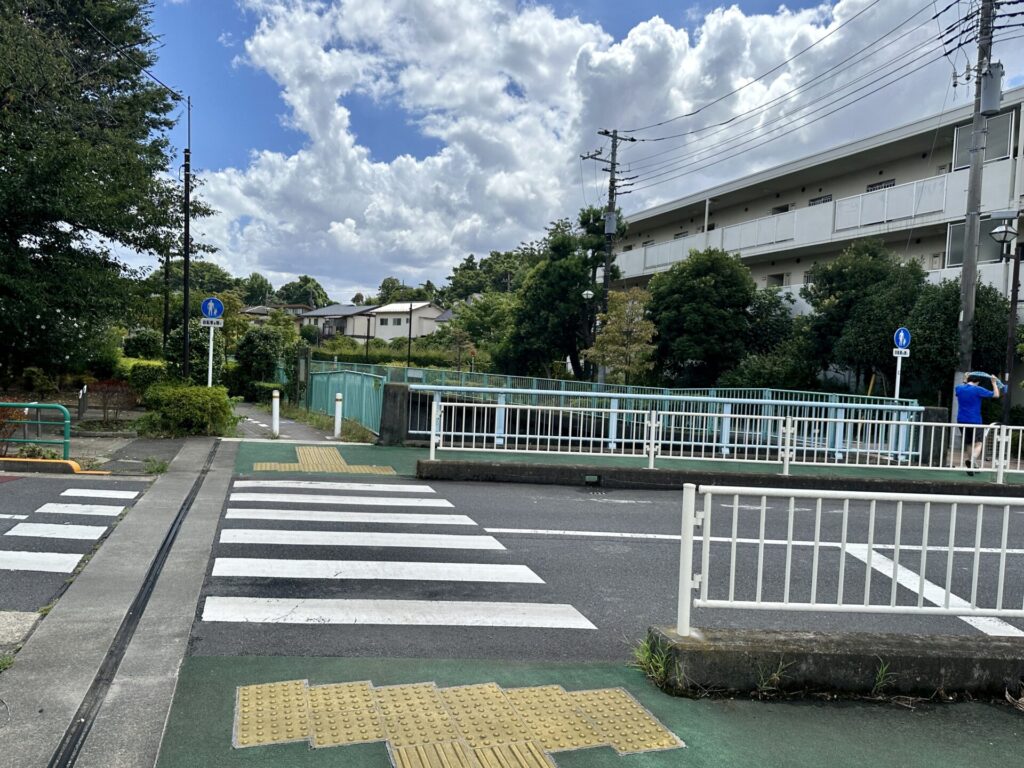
339, 310
259, 309
444, 317
402, 306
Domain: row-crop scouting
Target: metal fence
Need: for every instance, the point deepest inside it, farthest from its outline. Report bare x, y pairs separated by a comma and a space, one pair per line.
11, 428
362, 393
847, 551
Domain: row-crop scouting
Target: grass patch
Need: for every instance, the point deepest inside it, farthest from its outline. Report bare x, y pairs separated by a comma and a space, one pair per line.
771, 679
351, 431
155, 466
653, 660
6, 660
884, 679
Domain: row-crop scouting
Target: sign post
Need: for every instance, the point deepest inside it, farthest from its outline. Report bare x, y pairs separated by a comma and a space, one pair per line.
213, 317
902, 349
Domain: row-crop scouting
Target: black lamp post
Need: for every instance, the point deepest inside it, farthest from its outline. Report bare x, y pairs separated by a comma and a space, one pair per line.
588, 295
1003, 234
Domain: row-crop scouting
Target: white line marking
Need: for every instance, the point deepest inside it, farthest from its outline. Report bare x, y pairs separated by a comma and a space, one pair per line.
98, 493
325, 486
47, 531
357, 539
107, 510
366, 501
13, 517
932, 592
320, 516
726, 540
50, 562
422, 613
373, 569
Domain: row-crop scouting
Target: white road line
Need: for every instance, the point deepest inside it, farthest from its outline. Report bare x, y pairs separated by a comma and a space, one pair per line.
320, 516
932, 592
50, 562
727, 540
106, 510
373, 569
325, 486
13, 517
357, 539
48, 531
100, 493
422, 613
366, 501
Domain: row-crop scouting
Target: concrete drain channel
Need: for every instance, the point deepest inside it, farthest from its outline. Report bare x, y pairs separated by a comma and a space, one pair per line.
472, 726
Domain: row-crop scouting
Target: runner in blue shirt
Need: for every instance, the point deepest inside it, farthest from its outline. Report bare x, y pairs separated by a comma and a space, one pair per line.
968, 397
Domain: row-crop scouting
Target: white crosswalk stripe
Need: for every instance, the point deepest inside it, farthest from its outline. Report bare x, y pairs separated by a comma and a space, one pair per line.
103, 510
52, 562
251, 560
47, 531
100, 493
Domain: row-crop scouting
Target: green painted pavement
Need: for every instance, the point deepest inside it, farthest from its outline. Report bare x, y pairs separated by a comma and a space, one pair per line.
719, 733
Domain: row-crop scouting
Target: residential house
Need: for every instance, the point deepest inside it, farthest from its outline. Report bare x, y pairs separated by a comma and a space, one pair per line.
341, 319
402, 319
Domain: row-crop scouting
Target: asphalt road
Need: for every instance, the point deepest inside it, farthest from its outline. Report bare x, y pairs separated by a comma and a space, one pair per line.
604, 562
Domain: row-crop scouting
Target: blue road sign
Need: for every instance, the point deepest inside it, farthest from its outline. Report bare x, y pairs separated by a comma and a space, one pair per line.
901, 338
212, 307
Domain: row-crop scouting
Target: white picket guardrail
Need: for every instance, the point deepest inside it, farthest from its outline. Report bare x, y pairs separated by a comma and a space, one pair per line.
891, 441
861, 539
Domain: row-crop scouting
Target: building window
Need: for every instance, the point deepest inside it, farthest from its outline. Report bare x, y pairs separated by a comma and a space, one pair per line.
627, 247
777, 281
988, 249
820, 200
780, 209
881, 185
997, 147
679, 235
645, 243
383, 321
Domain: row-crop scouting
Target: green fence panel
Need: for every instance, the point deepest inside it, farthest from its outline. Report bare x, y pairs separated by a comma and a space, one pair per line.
362, 393
11, 427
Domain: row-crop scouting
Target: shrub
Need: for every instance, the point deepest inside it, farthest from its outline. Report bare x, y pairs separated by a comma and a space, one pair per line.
10, 420
104, 354
113, 397
258, 353
232, 379
199, 347
146, 343
310, 334
178, 410
263, 391
37, 381
144, 374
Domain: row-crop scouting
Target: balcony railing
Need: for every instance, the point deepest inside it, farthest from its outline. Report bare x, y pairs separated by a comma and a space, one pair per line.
904, 201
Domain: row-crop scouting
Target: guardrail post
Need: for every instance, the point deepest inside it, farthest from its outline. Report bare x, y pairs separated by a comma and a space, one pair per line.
652, 436
275, 414
1002, 457
840, 434
787, 444
723, 439
686, 561
499, 421
613, 424
338, 404
435, 427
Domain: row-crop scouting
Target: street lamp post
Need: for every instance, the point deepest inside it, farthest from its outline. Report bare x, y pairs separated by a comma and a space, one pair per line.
1003, 234
587, 296
408, 349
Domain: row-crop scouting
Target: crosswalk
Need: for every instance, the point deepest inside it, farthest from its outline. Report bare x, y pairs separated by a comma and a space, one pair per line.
41, 547
361, 553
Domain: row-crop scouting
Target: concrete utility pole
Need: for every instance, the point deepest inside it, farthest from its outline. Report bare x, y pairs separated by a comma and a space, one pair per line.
972, 228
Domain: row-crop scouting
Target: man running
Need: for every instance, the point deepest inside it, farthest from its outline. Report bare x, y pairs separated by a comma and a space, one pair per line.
968, 397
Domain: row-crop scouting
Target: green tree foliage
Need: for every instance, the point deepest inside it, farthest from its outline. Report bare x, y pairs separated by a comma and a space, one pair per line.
145, 343
771, 320
258, 353
257, 290
285, 325
487, 319
310, 334
700, 308
199, 348
304, 290
83, 146
624, 342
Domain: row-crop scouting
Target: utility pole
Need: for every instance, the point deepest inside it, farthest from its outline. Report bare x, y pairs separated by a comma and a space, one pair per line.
186, 247
972, 227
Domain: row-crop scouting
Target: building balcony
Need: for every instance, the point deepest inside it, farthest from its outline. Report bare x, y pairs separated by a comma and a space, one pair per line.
934, 200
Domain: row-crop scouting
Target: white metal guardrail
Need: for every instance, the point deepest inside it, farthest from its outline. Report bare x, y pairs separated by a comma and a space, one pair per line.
891, 440
849, 552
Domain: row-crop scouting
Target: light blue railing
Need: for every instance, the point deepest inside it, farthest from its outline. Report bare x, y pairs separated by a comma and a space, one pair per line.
12, 426
362, 393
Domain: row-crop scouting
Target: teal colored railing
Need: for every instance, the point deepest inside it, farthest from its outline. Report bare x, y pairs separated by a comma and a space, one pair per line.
362, 393
10, 427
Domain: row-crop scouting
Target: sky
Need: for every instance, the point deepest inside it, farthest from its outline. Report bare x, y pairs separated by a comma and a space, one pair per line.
358, 139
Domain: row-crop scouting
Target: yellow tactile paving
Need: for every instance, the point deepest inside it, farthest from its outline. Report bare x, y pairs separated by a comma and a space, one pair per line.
321, 459
276, 713
470, 726
620, 719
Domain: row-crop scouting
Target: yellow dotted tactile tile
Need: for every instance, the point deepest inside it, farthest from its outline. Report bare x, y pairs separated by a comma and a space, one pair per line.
321, 459
552, 715
275, 713
620, 719
471, 726
344, 714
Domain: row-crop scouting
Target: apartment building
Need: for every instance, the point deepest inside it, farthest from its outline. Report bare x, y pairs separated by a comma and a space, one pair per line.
907, 186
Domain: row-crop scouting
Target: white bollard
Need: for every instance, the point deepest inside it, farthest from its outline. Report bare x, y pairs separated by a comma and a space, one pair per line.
275, 414
338, 400
686, 561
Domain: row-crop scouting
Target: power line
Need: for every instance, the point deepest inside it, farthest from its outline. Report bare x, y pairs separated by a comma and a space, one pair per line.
120, 50
762, 76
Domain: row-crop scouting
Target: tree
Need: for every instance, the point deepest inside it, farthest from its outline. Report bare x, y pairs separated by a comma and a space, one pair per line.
701, 309
487, 320
284, 325
304, 290
310, 334
258, 354
389, 289
771, 320
198, 353
257, 290
83, 147
624, 342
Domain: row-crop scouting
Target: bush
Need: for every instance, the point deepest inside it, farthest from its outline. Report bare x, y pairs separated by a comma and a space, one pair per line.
36, 380
310, 334
146, 343
144, 374
105, 354
232, 379
199, 341
263, 391
178, 410
113, 397
258, 353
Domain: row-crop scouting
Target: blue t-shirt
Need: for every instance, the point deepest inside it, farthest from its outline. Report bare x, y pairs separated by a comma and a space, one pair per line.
968, 398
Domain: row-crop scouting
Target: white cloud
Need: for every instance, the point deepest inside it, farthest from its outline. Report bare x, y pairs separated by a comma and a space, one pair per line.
227, 39
513, 94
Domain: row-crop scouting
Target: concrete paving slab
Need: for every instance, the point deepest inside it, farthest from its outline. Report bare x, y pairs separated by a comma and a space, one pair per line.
55, 669
15, 627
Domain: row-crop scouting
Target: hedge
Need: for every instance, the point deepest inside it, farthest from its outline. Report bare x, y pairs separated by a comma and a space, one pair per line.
178, 410
144, 374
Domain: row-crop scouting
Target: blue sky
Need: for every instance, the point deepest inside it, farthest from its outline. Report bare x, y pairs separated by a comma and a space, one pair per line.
237, 109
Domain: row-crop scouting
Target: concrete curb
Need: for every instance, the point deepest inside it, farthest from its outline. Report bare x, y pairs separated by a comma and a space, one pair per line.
721, 660
52, 466
674, 479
